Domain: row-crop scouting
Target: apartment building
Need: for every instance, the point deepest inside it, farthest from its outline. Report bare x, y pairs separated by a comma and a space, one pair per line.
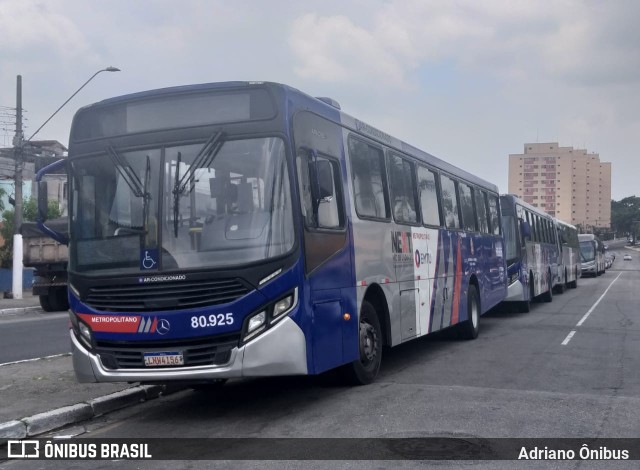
570, 184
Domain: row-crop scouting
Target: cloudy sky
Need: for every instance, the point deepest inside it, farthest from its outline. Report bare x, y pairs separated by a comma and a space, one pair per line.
467, 80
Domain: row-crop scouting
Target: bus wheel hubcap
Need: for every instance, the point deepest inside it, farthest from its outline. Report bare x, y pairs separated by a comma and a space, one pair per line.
368, 342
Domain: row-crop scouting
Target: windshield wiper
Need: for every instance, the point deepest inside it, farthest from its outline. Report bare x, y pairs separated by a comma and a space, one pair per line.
136, 186
176, 196
202, 160
128, 174
146, 196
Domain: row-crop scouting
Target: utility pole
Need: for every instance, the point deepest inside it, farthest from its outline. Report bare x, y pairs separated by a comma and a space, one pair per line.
18, 148
17, 220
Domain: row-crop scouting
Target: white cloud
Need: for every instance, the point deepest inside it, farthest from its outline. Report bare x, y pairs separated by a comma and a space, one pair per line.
28, 27
334, 49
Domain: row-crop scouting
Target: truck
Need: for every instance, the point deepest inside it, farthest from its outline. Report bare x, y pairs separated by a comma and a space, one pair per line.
50, 259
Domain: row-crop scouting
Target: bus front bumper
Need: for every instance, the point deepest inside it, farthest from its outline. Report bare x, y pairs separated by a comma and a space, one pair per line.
281, 350
589, 268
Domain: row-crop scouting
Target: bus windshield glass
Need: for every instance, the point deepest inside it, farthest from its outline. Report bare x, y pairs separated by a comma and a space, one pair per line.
223, 203
511, 238
587, 251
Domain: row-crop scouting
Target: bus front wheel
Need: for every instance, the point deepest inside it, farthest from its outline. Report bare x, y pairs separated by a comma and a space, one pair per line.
364, 370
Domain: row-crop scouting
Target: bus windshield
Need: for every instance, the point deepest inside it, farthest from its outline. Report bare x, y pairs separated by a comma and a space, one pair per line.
194, 206
587, 251
511, 235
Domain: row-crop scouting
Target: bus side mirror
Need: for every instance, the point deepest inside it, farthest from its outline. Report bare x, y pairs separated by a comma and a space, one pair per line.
325, 181
525, 229
321, 179
43, 201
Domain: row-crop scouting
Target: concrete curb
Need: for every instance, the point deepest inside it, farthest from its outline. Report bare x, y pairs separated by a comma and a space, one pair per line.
16, 310
54, 419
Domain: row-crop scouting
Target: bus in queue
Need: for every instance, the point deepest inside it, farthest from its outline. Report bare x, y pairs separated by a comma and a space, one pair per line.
532, 252
246, 229
569, 266
591, 254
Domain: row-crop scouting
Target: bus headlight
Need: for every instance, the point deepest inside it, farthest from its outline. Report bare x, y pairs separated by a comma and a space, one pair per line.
270, 314
282, 306
85, 334
256, 324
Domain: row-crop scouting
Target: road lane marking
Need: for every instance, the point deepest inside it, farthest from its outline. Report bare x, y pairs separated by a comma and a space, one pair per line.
568, 338
35, 359
586, 315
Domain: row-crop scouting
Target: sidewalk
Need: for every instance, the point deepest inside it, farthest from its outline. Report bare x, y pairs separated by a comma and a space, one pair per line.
28, 301
38, 396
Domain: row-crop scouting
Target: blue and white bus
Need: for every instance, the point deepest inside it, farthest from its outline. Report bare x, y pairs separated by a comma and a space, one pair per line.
591, 254
569, 267
532, 252
247, 229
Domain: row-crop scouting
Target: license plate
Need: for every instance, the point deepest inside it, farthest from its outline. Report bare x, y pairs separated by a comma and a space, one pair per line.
169, 358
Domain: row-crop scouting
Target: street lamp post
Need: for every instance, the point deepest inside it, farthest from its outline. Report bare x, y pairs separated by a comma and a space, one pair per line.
18, 147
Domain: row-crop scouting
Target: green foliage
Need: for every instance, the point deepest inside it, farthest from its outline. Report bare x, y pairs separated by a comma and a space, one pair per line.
625, 215
29, 213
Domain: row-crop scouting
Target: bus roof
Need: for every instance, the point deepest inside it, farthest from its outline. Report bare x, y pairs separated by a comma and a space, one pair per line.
322, 107
586, 237
565, 224
516, 200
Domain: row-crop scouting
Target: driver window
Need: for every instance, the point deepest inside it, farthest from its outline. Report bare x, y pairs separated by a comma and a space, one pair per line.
319, 192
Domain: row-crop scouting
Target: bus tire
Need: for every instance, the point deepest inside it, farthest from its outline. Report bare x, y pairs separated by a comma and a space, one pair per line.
58, 300
548, 296
62, 298
45, 303
524, 306
573, 284
565, 284
471, 326
364, 370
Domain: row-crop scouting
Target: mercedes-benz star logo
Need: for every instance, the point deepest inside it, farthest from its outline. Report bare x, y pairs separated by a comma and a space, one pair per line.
163, 326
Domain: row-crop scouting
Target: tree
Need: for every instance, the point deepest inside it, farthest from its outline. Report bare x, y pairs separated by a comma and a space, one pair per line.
625, 214
2, 194
29, 213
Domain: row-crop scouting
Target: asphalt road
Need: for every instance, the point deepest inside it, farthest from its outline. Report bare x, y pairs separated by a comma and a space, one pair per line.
526, 375
32, 335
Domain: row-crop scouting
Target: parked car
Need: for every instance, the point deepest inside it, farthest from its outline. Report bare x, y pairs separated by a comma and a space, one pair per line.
627, 257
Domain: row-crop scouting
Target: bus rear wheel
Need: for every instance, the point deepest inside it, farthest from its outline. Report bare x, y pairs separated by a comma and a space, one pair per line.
573, 284
471, 326
364, 370
548, 296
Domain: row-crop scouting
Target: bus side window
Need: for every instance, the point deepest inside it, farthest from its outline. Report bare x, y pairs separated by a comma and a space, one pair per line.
330, 202
449, 202
466, 205
319, 192
369, 184
402, 190
428, 194
481, 211
494, 216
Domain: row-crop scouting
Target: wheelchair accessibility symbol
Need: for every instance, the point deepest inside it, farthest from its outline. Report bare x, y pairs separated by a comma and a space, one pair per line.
148, 259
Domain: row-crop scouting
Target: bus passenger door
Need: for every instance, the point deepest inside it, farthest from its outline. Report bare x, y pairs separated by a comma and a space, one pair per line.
331, 341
